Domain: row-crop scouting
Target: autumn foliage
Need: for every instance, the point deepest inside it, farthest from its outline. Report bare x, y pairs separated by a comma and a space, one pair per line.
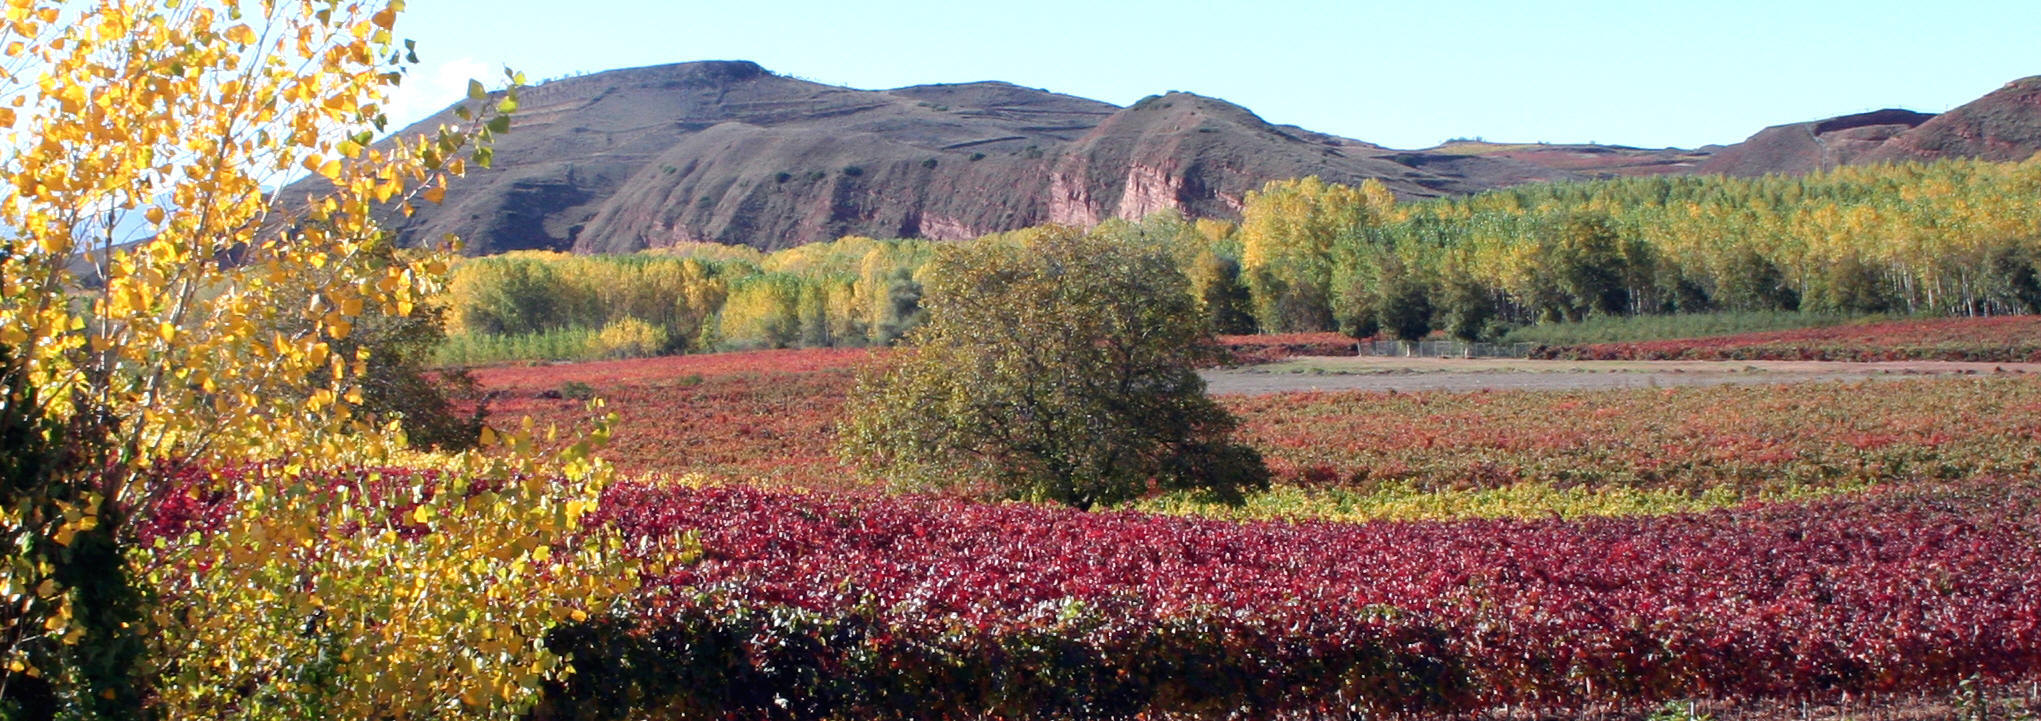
161, 309
819, 606
1998, 339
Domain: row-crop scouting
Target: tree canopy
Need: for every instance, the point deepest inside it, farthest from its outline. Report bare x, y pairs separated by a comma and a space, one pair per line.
1052, 365
205, 510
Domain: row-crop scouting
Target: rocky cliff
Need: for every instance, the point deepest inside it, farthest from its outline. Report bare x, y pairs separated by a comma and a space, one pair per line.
728, 152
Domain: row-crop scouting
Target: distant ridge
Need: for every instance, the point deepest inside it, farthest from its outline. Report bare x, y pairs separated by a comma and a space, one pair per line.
729, 152
1812, 146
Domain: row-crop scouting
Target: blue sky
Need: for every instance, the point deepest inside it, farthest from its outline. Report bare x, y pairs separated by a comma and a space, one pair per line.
1407, 74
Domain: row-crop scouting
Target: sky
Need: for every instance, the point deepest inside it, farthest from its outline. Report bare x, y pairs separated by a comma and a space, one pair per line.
1409, 74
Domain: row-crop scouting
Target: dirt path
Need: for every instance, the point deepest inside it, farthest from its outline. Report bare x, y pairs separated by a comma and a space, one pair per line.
1455, 374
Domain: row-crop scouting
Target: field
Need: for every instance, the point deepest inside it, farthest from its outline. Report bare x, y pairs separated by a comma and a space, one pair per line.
2013, 338
1847, 544
768, 418
764, 417
881, 607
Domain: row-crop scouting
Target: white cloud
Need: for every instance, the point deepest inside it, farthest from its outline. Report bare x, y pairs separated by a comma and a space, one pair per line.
430, 87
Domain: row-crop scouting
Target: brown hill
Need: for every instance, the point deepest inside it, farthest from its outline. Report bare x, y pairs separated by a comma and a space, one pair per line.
1598, 161
2002, 126
728, 152
1811, 146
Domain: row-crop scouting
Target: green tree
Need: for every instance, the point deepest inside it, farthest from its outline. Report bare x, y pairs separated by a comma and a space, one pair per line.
1215, 280
1468, 306
1403, 304
1055, 366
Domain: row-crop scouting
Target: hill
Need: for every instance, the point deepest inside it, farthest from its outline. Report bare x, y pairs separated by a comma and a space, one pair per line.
728, 152
2004, 125
1807, 147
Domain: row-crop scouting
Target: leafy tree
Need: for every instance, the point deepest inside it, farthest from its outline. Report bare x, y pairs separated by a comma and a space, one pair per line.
1288, 232
1215, 280
1056, 366
1403, 305
398, 381
1750, 281
1590, 265
219, 364
1468, 307
2012, 277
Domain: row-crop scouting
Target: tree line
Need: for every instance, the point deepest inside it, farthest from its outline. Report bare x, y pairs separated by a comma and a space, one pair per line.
1947, 238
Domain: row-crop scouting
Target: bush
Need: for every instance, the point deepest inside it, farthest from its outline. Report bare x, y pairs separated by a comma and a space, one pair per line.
1058, 367
631, 338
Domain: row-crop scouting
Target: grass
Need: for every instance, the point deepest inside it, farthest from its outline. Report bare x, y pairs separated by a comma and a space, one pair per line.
1669, 327
474, 349
1405, 502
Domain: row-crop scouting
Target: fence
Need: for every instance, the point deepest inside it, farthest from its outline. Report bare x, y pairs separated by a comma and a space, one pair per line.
1445, 349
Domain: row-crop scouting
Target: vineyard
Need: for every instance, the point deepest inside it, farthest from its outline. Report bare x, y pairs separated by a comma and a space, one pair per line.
827, 606
770, 416
288, 455
1998, 339
1750, 549
1586, 552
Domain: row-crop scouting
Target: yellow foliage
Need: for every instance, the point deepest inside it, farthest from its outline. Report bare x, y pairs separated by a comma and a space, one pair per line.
631, 338
323, 596
205, 340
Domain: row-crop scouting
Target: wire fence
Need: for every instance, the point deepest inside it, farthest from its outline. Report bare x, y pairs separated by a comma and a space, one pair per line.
1444, 349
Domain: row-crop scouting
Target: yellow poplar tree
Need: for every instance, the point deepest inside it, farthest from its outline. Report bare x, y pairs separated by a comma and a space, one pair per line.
161, 310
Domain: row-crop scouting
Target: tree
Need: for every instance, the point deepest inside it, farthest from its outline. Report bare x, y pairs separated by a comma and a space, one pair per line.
1215, 281
212, 367
1403, 305
1288, 231
1054, 367
1469, 307
1589, 265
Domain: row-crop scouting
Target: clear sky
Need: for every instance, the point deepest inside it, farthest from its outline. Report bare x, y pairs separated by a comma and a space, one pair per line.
1407, 74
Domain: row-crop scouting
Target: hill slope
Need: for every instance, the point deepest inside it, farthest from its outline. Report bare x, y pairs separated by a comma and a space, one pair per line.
728, 152
1812, 146
2004, 125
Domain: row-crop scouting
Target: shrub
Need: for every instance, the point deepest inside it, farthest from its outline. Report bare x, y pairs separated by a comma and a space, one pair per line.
1059, 367
631, 338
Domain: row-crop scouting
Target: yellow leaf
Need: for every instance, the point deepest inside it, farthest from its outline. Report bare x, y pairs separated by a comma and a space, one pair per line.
422, 514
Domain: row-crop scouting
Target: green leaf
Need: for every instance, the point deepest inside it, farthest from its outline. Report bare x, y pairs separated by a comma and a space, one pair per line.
499, 124
476, 91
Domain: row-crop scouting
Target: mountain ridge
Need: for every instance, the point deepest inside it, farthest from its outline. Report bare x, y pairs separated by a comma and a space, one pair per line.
730, 152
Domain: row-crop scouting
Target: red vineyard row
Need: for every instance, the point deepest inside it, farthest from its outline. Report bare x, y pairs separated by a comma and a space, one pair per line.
820, 605
1999, 339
